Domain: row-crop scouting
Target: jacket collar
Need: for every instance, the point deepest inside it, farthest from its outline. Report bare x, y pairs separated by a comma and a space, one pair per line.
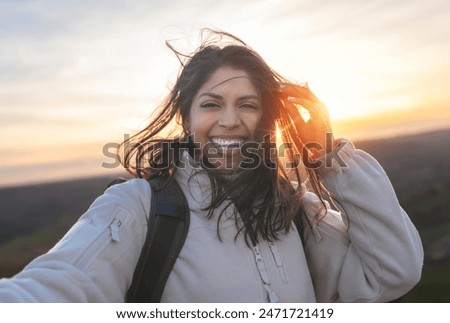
196, 185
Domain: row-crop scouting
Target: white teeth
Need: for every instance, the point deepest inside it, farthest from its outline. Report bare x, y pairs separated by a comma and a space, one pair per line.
227, 142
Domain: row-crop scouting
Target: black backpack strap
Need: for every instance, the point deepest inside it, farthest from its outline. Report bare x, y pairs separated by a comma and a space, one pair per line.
168, 226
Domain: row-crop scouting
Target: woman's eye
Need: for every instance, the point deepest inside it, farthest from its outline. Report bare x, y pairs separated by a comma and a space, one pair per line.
249, 106
209, 105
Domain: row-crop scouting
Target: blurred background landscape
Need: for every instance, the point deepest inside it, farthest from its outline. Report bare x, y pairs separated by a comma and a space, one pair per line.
34, 217
77, 76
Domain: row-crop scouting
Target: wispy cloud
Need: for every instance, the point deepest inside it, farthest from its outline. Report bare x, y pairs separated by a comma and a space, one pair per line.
76, 71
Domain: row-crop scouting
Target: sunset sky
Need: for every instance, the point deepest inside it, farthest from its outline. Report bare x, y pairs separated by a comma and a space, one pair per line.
75, 75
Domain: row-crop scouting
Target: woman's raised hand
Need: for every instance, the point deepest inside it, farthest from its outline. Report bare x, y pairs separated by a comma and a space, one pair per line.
310, 117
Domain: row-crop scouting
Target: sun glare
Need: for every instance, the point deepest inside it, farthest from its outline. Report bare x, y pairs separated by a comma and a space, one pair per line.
341, 95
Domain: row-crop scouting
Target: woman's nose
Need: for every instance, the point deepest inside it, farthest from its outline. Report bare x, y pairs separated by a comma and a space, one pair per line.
229, 118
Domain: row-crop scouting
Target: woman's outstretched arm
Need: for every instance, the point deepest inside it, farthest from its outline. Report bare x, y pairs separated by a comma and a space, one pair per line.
95, 260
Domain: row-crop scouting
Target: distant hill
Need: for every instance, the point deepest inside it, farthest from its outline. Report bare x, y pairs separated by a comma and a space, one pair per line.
27, 209
419, 169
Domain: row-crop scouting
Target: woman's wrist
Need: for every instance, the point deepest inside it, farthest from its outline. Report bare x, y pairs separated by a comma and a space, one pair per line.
316, 150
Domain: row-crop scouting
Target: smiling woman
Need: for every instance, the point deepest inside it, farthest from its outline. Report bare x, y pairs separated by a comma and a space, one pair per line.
324, 227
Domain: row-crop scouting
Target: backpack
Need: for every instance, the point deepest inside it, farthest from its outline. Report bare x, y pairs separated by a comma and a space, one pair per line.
168, 225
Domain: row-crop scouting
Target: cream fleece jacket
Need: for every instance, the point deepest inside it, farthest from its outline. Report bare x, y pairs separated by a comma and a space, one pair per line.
374, 255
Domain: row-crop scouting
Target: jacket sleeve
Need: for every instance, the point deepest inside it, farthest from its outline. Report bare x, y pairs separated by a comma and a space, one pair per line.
95, 260
377, 256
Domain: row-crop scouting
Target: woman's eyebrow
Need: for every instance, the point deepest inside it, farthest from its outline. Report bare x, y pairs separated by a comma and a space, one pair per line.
249, 97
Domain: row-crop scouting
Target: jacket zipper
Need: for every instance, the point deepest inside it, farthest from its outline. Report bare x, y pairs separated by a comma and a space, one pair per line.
112, 230
272, 297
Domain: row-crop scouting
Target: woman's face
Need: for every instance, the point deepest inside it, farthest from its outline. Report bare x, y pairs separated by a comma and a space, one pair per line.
224, 115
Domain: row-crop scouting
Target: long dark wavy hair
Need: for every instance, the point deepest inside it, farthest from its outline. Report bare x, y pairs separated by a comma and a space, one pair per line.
263, 196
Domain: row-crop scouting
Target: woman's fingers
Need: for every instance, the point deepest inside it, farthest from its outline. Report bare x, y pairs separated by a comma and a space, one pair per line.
308, 113
315, 108
316, 111
303, 96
